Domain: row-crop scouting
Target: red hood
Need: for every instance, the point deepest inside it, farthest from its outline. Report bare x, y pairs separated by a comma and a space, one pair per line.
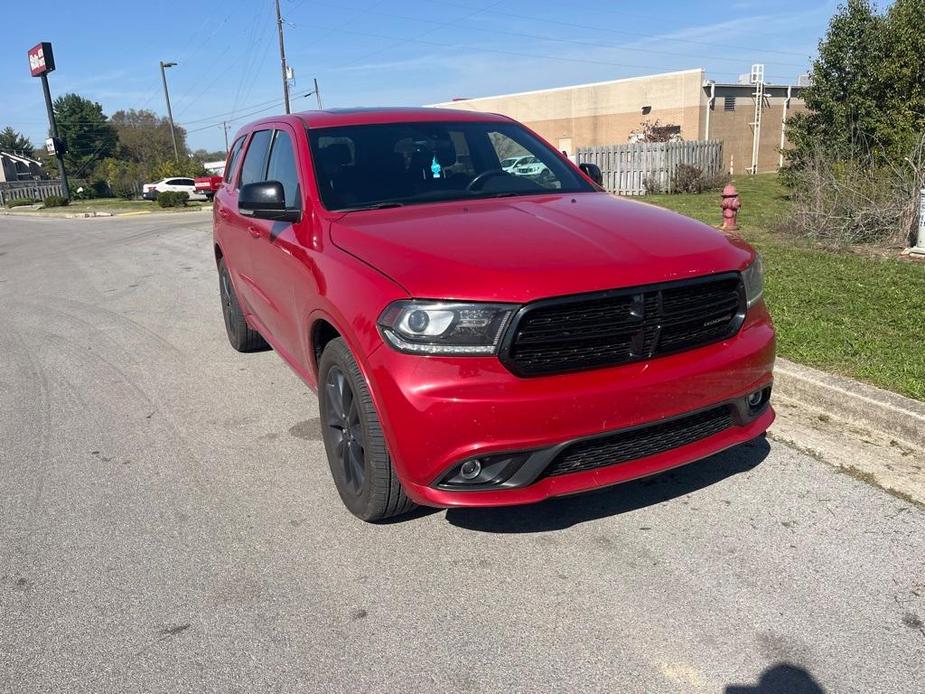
520, 249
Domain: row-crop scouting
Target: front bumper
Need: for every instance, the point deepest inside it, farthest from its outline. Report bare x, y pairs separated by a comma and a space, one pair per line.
438, 411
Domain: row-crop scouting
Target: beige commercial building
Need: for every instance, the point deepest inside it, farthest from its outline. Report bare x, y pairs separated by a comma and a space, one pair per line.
611, 113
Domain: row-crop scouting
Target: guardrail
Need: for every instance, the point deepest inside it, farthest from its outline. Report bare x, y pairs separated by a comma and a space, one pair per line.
626, 167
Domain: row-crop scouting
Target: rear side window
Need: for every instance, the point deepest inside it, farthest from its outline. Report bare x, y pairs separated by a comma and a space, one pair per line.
282, 167
233, 158
255, 161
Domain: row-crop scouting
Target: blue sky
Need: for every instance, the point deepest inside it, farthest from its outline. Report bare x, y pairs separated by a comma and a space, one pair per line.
379, 52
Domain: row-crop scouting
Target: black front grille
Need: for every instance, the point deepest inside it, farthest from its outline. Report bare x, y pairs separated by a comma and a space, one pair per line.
616, 327
639, 443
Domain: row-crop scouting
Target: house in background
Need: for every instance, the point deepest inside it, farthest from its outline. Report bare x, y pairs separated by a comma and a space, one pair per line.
696, 108
18, 167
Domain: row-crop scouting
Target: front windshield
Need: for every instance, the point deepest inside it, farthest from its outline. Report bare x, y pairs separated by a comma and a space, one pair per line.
360, 166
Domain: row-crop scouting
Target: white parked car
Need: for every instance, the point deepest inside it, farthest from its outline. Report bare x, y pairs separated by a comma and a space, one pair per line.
149, 191
530, 166
510, 163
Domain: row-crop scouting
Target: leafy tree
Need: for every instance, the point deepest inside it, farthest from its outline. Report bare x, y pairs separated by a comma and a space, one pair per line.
14, 141
185, 167
124, 178
86, 131
144, 137
867, 98
206, 155
844, 99
903, 75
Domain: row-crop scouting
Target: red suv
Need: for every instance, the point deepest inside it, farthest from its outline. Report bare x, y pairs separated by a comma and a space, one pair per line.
479, 337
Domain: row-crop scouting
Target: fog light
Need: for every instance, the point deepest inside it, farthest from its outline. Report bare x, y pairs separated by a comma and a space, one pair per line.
755, 398
470, 469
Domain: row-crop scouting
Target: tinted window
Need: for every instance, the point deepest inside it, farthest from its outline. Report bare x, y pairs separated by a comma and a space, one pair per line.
233, 158
254, 166
415, 163
282, 168
185, 182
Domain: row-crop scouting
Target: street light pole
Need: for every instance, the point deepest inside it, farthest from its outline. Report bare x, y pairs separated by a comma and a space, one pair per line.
282, 57
318, 95
173, 133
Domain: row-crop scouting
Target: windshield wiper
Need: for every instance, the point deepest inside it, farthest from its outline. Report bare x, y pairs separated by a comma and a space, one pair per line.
373, 206
506, 194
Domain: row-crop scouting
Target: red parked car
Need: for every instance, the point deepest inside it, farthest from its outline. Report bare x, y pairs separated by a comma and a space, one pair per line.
479, 338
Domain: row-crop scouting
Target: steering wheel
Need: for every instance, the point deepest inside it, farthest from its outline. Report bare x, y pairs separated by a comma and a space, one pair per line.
482, 177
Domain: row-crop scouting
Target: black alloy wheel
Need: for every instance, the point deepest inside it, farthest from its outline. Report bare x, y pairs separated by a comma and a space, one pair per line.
353, 440
345, 429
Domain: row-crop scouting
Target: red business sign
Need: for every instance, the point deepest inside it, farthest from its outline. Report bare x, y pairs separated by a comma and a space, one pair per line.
41, 59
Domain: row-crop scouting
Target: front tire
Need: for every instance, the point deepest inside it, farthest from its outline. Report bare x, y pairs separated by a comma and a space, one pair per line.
241, 336
353, 439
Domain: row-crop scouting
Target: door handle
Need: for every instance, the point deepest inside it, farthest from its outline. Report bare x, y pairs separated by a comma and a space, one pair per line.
254, 231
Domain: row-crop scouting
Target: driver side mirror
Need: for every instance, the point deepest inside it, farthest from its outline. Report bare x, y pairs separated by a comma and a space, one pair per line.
593, 171
266, 200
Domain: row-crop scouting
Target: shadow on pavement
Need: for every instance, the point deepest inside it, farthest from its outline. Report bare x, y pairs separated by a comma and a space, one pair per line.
782, 678
557, 514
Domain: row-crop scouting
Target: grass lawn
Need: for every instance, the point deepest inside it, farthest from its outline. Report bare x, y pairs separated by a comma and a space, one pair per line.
856, 315
113, 205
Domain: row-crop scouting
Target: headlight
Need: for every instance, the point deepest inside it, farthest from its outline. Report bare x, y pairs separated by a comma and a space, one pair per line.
753, 276
430, 327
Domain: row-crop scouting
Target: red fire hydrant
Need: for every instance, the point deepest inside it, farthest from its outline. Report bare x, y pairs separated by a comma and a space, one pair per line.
730, 205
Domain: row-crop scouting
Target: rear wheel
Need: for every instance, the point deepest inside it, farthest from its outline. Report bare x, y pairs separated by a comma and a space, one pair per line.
353, 439
241, 336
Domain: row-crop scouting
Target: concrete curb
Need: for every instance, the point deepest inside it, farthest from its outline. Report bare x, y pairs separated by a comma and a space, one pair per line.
93, 214
874, 408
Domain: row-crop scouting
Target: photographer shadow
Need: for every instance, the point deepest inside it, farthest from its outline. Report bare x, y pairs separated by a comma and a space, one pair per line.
782, 678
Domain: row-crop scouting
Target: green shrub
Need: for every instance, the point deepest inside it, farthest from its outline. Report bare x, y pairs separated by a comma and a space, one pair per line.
123, 178
56, 201
20, 202
172, 198
687, 178
101, 189
82, 191
651, 185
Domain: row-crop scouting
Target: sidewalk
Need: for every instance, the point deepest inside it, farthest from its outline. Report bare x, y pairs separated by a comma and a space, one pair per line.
867, 432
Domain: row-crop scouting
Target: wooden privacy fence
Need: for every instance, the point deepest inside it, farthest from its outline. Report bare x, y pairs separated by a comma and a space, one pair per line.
626, 167
37, 190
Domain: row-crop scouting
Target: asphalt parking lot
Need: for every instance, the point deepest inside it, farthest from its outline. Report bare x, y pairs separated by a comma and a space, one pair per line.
168, 524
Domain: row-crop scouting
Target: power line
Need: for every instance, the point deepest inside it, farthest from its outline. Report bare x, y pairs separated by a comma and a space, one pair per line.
274, 104
439, 25
519, 34
501, 51
637, 34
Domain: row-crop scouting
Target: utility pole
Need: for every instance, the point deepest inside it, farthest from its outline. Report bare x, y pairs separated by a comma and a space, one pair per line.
41, 62
53, 126
225, 128
173, 133
282, 57
318, 95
